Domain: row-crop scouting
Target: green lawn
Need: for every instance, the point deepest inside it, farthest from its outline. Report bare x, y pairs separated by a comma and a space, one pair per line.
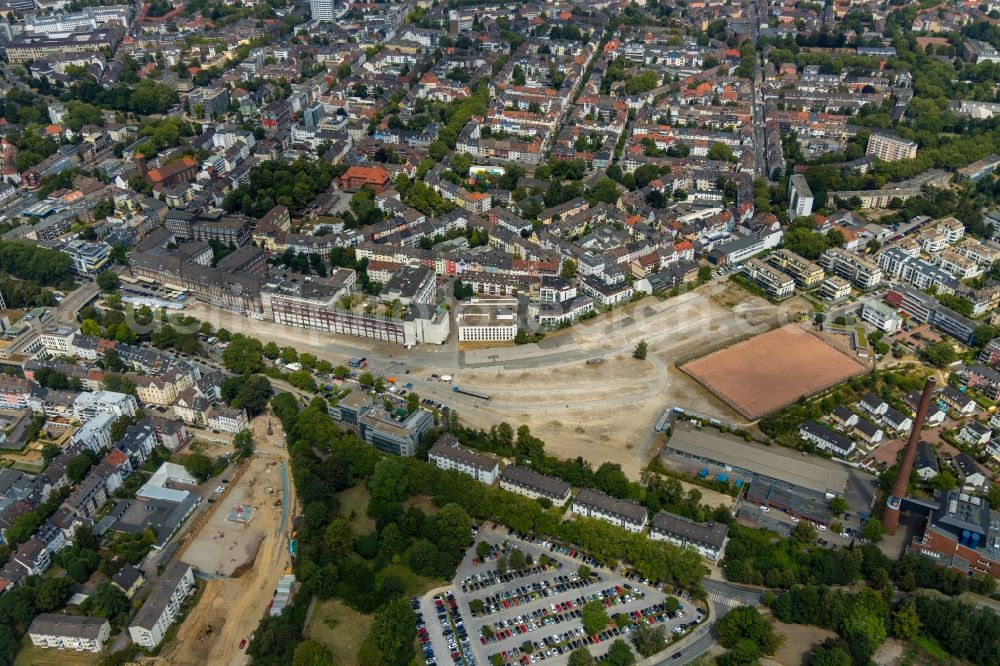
354, 507
339, 628
859, 332
414, 584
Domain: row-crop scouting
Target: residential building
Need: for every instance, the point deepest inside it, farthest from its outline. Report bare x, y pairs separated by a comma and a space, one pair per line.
621, 512
447, 454
925, 464
709, 539
889, 148
806, 273
957, 401
523, 481
228, 419
69, 632
834, 289
860, 272
129, 580
775, 283
826, 439
162, 605
800, 197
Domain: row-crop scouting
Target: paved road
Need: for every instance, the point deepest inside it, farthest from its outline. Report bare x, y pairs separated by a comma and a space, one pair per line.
69, 306
723, 597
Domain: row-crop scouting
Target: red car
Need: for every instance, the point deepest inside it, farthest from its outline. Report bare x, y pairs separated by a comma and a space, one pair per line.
243, 643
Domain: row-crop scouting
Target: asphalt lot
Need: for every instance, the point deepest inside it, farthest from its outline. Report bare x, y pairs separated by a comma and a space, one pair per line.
547, 590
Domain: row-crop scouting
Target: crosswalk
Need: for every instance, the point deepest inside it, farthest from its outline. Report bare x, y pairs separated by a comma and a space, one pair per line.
724, 600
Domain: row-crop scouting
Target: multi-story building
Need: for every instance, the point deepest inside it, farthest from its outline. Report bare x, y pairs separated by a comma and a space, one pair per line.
228, 419
800, 197
212, 102
447, 454
735, 251
410, 285
323, 10
709, 539
621, 512
889, 148
29, 46
806, 273
89, 259
523, 481
89, 404
394, 435
69, 632
834, 288
162, 605
961, 532
775, 283
487, 320
860, 272
881, 316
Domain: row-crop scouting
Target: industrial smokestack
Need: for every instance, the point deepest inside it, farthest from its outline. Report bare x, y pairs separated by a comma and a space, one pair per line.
890, 517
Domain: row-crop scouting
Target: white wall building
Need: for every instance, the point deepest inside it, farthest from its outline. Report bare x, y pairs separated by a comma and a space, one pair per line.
162, 605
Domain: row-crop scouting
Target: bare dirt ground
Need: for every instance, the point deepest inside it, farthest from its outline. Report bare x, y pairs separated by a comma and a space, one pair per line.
233, 605
601, 412
799, 641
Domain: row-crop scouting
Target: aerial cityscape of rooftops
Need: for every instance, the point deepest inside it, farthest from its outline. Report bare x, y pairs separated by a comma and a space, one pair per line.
484, 333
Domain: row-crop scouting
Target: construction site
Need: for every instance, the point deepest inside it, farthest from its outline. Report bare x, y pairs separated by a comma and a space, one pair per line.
241, 549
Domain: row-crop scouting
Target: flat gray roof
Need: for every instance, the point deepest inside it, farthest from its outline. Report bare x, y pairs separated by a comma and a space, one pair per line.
817, 475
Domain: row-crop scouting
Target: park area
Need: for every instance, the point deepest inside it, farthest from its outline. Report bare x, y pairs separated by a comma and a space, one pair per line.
770, 371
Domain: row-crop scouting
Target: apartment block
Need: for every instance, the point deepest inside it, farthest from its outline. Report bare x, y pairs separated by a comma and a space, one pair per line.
623, 513
162, 605
860, 272
771, 280
523, 481
890, 148
447, 454
709, 539
69, 632
806, 273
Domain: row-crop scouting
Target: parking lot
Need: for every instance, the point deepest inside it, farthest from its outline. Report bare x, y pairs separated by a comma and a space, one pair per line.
541, 603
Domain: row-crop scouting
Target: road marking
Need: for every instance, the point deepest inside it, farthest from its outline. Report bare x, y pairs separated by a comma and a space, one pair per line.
725, 601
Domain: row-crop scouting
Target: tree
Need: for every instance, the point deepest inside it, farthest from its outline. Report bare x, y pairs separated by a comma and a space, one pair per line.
312, 653
50, 451
872, 530
482, 550
583, 571
90, 328
581, 657
476, 606
516, 559
502, 564
704, 274
249, 393
804, 532
198, 465
302, 380
649, 640
388, 483
108, 281
746, 623
721, 152
939, 354
568, 269
829, 654
640, 351
620, 654
51, 593
906, 621
243, 444
107, 601
594, 617
412, 402
243, 355
391, 637
77, 468
838, 505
